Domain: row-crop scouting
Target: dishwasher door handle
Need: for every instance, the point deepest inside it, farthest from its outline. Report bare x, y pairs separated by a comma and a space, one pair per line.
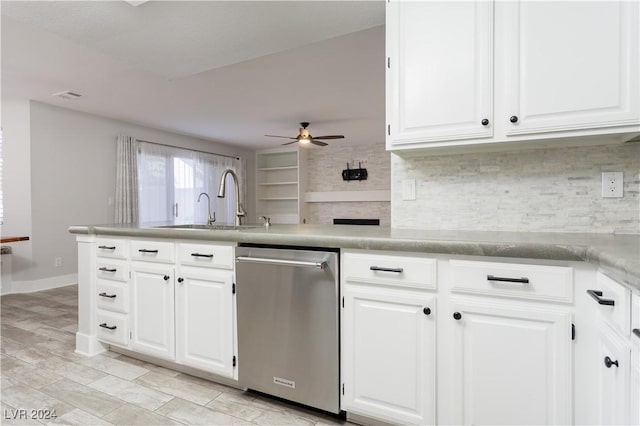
282, 262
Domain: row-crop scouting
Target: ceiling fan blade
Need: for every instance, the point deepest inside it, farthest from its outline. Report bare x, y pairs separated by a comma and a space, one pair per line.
329, 137
289, 143
283, 137
315, 142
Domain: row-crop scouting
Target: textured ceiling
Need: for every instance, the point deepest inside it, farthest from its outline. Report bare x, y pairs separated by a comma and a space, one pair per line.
336, 83
180, 38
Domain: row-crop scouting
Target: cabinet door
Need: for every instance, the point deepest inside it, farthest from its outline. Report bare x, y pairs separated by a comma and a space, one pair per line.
614, 366
635, 389
569, 65
204, 320
511, 364
439, 70
152, 310
388, 347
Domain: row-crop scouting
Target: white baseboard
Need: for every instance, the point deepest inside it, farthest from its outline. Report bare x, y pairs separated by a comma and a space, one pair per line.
89, 345
39, 285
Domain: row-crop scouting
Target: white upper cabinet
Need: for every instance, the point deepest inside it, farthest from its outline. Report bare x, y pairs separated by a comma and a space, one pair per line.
439, 71
570, 65
481, 72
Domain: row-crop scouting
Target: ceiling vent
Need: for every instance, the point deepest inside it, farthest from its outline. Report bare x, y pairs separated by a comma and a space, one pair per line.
68, 95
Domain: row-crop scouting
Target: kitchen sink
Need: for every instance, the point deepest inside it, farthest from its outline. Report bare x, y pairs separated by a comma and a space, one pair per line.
210, 227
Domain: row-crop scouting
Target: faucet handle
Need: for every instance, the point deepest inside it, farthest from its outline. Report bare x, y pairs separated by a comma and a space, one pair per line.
212, 219
267, 221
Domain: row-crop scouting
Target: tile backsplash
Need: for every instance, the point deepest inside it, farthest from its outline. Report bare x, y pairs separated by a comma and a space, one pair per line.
544, 190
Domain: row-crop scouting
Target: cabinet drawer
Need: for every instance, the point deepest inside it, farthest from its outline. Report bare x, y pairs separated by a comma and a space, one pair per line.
389, 269
114, 270
152, 251
114, 248
113, 327
613, 302
536, 282
212, 256
112, 296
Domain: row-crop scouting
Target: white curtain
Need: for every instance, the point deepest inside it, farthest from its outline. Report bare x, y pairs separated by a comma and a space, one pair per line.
126, 203
171, 179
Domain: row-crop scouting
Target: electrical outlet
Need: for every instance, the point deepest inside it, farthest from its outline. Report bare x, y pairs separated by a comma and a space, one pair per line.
612, 184
57, 262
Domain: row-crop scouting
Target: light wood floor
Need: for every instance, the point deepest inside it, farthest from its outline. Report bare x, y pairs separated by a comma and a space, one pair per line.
41, 375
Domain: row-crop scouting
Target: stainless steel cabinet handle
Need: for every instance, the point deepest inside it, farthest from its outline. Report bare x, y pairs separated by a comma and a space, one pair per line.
597, 296
379, 268
105, 269
508, 280
264, 260
110, 296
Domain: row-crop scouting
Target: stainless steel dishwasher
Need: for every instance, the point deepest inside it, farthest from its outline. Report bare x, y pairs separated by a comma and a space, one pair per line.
288, 324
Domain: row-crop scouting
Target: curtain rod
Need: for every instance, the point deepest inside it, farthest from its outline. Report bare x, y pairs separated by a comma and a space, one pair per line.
189, 149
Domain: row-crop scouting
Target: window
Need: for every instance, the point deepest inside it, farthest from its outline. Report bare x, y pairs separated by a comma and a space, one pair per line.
171, 179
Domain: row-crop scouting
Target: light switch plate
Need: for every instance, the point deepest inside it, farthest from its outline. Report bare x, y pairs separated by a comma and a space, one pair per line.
408, 189
612, 184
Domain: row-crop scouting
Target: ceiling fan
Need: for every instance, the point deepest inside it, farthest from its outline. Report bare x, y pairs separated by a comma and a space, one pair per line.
305, 137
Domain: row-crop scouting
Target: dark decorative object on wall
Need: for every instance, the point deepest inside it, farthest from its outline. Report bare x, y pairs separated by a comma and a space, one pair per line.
354, 174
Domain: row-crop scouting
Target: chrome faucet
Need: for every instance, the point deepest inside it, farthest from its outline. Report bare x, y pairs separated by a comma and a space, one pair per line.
211, 218
240, 213
266, 221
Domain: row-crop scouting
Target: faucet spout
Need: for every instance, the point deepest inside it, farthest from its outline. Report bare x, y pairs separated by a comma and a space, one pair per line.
240, 213
211, 218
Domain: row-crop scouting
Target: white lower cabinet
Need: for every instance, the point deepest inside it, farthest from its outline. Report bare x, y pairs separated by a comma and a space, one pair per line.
635, 387
635, 361
204, 320
388, 353
613, 364
152, 310
511, 363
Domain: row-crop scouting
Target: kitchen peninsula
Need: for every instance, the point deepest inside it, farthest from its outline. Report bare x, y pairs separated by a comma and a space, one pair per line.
435, 300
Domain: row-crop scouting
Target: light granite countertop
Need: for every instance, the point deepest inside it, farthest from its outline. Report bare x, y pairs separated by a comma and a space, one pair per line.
617, 255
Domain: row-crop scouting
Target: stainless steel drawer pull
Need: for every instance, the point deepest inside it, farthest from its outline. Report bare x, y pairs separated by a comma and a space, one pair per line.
597, 296
107, 247
147, 251
202, 255
110, 296
508, 280
264, 260
636, 331
108, 327
381, 269
105, 269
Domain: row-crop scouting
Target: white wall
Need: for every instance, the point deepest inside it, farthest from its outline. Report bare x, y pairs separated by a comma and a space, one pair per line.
69, 159
16, 180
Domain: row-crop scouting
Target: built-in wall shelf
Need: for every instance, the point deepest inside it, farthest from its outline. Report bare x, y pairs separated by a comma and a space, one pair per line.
279, 182
272, 169
347, 196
